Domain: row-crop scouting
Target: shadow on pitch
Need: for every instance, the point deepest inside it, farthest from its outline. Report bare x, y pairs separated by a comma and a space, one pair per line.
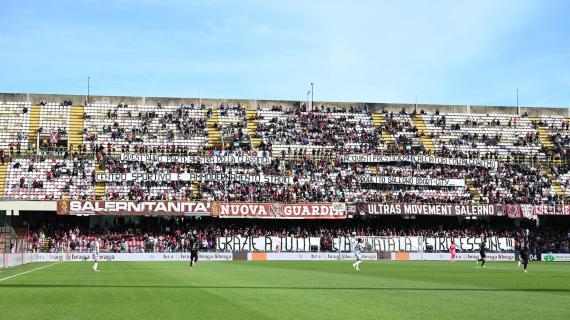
281, 288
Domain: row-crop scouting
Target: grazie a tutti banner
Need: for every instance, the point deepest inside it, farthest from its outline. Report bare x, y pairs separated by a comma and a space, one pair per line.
430, 209
268, 244
365, 158
200, 177
163, 208
222, 159
280, 210
412, 181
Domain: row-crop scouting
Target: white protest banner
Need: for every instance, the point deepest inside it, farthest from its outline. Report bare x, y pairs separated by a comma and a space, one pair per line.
415, 244
380, 244
469, 243
414, 181
200, 177
222, 159
251, 244
364, 158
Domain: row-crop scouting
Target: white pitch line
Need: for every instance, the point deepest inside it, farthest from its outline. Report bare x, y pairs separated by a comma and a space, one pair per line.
22, 273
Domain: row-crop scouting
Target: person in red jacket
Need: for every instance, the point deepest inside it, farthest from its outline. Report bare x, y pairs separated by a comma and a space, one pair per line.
452, 249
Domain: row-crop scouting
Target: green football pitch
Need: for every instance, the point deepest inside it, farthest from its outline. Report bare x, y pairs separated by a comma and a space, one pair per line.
285, 290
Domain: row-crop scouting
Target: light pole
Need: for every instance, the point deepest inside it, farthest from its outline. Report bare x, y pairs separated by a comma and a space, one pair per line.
518, 109
88, 87
312, 96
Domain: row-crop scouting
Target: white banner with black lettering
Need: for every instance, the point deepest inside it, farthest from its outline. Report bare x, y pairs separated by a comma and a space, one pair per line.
417, 244
380, 244
414, 181
497, 244
200, 177
365, 158
250, 244
222, 159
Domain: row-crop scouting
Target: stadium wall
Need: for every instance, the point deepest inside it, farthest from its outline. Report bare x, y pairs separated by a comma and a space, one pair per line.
35, 98
47, 206
16, 259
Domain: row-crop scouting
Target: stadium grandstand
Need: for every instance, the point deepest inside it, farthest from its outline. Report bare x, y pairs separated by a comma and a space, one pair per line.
239, 160
72, 166
146, 185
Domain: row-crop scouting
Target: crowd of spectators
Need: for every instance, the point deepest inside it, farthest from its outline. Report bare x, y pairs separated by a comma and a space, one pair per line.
312, 180
164, 236
515, 183
51, 179
316, 173
331, 180
333, 128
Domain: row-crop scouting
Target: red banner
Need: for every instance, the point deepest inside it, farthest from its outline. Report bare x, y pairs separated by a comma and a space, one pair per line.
125, 208
546, 210
513, 211
430, 209
280, 210
299, 210
53, 137
517, 211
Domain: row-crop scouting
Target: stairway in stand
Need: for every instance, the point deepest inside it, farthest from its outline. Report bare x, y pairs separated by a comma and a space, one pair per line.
3, 172
378, 119
556, 186
195, 187
252, 125
45, 245
545, 139
374, 170
473, 189
76, 125
214, 134
34, 124
100, 186
425, 139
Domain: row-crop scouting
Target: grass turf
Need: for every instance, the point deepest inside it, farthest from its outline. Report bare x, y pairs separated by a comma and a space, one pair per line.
286, 290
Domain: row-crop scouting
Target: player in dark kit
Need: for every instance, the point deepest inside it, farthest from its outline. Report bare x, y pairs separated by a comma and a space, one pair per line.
525, 249
193, 244
482, 253
525, 255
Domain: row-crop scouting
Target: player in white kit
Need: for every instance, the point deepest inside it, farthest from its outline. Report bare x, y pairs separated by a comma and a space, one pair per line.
357, 248
96, 254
